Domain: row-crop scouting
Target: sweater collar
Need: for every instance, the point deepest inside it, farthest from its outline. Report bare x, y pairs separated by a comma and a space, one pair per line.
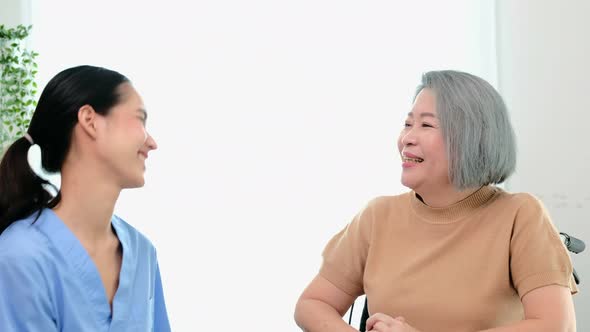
453, 212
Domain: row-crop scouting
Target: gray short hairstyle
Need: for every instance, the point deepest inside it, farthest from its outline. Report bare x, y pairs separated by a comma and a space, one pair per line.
475, 124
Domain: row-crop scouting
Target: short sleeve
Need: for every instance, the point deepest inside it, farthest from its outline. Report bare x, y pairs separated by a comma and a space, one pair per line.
25, 304
538, 257
161, 323
345, 255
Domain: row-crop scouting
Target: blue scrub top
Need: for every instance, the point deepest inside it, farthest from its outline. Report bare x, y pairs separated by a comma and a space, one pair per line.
48, 282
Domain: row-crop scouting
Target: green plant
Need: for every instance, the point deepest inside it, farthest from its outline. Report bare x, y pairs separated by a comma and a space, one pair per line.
18, 88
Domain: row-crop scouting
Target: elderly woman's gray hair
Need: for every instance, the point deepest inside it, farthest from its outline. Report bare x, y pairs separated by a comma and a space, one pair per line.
476, 127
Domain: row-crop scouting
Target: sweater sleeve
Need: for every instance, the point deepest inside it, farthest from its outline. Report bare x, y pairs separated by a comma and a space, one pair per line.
538, 257
345, 255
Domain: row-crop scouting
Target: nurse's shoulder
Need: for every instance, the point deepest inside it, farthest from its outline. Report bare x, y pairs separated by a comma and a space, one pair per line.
27, 261
23, 240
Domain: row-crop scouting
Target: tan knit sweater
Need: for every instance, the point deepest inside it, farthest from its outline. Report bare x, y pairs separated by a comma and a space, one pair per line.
460, 268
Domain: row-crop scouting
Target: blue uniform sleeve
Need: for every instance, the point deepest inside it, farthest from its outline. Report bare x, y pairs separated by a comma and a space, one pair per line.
25, 303
161, 323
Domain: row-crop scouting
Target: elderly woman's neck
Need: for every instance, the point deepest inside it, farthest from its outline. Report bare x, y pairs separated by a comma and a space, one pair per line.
443, 197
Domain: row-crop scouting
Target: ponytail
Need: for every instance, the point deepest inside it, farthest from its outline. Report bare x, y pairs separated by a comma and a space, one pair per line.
22, 191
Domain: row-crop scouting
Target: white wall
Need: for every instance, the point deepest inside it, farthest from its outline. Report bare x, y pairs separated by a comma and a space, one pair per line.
543, 53
15, 12
276, 122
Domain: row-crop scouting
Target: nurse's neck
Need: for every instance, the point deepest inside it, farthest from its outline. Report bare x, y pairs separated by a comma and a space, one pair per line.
87, 205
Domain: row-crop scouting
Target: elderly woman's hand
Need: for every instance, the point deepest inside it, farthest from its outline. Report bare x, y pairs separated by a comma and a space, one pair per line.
383, 323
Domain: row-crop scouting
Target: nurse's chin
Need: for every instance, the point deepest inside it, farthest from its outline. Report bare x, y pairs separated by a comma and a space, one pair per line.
136, 182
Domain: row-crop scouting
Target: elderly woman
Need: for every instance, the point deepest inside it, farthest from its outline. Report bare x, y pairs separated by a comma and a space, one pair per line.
456, 253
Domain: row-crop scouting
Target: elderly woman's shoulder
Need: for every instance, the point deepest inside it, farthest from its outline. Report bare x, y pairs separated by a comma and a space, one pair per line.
519, 198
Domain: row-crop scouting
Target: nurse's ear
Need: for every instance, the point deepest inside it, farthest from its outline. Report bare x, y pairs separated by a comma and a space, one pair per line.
88, 120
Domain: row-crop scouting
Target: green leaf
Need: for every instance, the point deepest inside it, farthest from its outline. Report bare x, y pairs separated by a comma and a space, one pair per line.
18, 88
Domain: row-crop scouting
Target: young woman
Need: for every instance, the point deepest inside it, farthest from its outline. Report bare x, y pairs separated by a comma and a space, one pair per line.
456, 254
67, 263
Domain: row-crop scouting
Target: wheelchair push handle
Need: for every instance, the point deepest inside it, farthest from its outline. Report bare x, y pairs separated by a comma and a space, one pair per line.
572, 244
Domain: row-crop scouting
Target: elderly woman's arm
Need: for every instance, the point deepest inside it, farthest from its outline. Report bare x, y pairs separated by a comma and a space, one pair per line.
321, 307
548, 308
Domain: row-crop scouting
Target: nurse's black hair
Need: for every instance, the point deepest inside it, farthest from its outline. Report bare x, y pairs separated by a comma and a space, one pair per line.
22, 192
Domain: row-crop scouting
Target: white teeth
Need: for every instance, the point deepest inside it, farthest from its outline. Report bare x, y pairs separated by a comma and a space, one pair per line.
413, 160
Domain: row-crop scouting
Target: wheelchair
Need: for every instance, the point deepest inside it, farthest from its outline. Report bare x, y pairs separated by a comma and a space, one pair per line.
572, 244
